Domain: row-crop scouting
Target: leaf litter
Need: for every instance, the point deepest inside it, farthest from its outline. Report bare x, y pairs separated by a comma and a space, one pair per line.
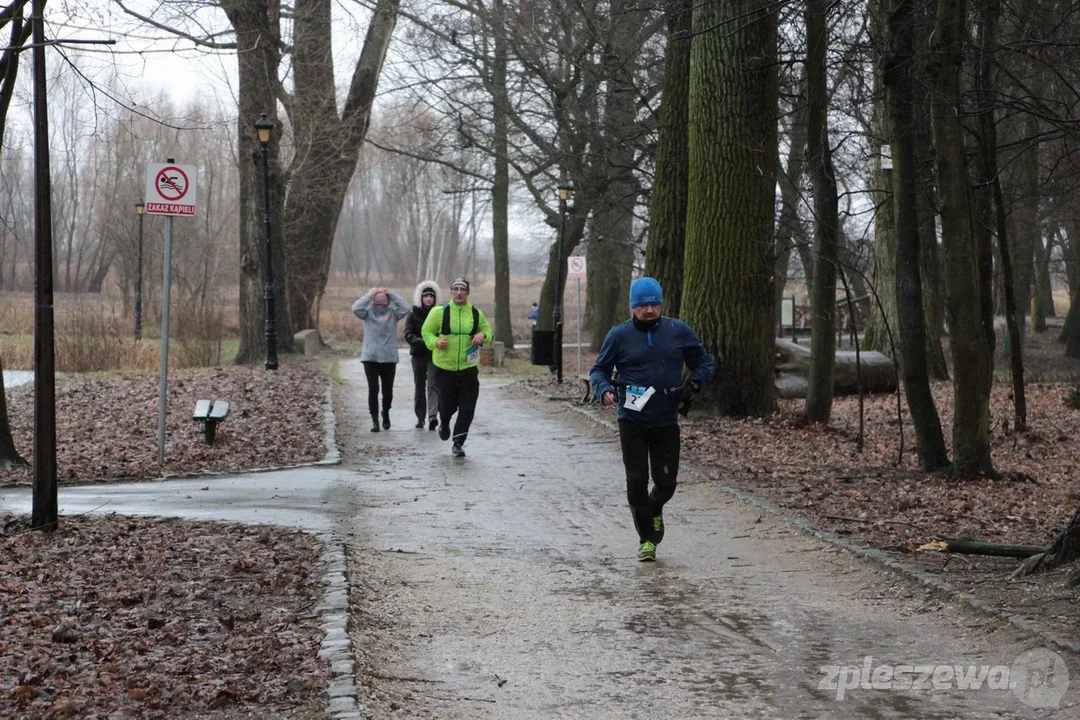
121, 617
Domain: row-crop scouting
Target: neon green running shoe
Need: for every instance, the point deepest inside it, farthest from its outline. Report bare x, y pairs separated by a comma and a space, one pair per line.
658, 528
647, 552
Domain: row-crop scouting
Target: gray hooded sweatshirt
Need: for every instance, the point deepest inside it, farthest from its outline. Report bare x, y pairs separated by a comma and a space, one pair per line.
380, 326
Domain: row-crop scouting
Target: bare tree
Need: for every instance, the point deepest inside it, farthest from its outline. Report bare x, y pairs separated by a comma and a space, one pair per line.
819, 163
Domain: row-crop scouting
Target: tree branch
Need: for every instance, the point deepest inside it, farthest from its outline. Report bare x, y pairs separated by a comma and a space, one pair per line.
202, 42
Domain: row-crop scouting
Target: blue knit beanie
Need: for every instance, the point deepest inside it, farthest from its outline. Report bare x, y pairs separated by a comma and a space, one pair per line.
645, 291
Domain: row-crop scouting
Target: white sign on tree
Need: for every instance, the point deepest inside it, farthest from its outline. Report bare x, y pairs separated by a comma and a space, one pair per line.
170, 189
576, 267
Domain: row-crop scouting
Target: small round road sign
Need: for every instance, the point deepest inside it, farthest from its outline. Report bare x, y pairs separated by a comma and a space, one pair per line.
171, 183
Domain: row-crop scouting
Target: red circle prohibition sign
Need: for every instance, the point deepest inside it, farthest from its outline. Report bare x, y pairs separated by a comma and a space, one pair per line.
171, 183
575, 264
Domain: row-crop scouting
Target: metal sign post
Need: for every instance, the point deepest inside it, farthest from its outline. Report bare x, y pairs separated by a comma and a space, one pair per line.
163, 397
170, 191
579, 326
575, 265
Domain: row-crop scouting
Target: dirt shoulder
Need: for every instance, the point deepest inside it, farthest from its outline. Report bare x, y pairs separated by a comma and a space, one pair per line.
877, 498
132, 617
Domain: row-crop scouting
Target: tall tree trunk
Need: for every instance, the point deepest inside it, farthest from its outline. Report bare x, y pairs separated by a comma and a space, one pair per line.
9, 456
970, 340
1042, 302
1070, 329
1070, 255
328, 146
819, 393
1027, 234
932, 272
789, 228
570, 237
255, 23
884, 323
990, 183
500, 189
728, 291
9, 57
666, 247
898, 72
607, 285
611, 253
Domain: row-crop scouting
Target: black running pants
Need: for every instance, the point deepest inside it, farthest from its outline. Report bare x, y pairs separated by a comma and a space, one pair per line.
458, 392
645, 448
380, 373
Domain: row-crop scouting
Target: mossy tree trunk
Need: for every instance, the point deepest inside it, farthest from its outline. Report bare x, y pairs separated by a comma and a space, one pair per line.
728, 291
970, 339
898, 79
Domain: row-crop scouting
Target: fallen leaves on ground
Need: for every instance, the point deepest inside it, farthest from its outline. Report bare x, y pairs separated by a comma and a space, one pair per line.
114, 616
819, 472
107, 425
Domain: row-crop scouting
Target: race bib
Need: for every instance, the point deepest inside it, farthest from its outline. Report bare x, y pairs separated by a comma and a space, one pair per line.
472, 354
637, 396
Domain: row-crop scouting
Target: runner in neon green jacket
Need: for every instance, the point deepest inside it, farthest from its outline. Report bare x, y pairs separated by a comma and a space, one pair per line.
460, 352
455, 333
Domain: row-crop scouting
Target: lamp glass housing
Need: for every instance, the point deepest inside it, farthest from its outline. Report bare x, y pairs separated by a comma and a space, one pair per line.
264, 126
566, 190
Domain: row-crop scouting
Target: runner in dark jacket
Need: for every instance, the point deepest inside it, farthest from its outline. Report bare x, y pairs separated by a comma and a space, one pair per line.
426, 396
648, 352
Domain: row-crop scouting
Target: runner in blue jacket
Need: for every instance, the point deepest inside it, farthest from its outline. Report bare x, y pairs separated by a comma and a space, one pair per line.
640, 366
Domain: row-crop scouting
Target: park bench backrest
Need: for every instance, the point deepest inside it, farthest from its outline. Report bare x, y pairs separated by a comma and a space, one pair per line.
220, 410
202, 410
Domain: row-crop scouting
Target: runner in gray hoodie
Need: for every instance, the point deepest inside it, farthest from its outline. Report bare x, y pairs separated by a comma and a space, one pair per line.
380, 309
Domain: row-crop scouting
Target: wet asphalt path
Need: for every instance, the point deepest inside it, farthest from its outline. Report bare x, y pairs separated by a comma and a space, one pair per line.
512, 583
505, 585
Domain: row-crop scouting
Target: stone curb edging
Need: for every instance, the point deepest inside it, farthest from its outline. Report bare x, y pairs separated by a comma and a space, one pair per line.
336, 648
873, 554
333, 454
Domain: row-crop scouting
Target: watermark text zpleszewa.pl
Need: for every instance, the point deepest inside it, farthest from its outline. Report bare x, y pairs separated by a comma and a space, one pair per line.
1037, 677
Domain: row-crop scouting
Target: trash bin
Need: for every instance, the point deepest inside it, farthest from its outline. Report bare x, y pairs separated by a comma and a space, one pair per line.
542, 351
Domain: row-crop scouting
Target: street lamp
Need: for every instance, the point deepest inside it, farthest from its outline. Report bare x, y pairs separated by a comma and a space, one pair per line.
264, 126
566, 193
140, 208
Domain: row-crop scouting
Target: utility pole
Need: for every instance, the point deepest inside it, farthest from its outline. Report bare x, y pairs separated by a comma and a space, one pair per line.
45, 511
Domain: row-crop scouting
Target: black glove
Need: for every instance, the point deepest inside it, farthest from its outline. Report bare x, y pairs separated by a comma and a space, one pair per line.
686, 395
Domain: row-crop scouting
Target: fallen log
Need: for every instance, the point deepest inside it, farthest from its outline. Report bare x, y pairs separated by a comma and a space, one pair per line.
793, 370
982, 547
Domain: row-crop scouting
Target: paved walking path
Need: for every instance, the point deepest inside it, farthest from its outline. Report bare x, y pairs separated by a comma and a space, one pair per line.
505, 585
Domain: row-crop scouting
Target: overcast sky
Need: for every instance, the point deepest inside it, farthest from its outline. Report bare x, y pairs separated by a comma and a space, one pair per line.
148, 60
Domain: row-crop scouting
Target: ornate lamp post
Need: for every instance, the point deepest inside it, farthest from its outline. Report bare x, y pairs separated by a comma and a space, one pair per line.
566, 193
140, 208
264, 126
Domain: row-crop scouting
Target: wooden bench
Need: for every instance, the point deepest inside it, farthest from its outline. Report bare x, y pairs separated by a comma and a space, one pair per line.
210, 413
